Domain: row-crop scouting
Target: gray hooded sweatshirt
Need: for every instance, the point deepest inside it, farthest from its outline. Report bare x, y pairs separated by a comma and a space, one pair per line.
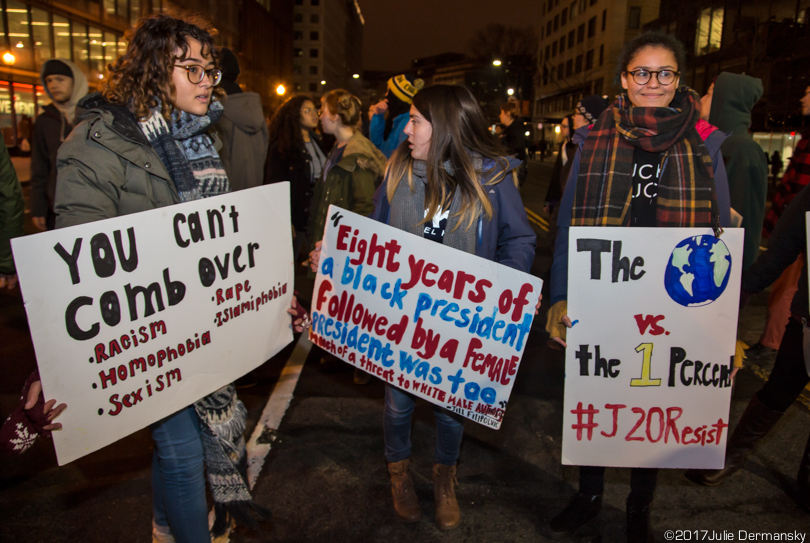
50, 129
245, 138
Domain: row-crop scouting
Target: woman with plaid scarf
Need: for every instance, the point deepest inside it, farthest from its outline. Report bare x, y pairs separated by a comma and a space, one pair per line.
647, 163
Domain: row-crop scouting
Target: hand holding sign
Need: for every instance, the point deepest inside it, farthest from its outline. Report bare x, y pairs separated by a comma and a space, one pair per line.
48, 410
134, 318
438, 323
649, 365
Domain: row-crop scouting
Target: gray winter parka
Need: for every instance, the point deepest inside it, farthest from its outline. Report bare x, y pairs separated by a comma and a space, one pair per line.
107, 167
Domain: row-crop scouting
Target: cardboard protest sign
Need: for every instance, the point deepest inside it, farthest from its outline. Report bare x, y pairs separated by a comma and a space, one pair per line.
649, 358
136, 317
439, 323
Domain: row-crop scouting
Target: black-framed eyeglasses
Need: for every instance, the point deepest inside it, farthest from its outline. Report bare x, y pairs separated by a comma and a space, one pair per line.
664, 77
196, 73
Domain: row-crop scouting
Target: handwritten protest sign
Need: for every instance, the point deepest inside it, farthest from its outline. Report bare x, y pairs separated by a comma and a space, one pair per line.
439, 323
136, 317
649, 360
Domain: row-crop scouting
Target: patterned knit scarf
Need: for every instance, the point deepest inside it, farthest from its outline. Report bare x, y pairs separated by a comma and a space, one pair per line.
188, 152
194, 165
686, 194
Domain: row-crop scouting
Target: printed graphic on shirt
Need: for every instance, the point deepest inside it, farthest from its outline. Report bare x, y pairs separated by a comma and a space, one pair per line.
645, 177
434, 230
646, 171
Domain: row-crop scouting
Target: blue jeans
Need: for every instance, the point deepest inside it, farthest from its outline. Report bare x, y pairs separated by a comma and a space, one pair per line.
397, 428
178, 479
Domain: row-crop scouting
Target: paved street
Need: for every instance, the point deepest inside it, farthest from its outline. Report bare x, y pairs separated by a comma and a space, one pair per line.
325, 478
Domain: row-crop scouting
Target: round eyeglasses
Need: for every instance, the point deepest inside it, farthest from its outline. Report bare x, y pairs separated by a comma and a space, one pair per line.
664, 77
196, 73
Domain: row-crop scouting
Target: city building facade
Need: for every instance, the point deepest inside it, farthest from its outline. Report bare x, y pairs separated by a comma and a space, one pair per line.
91, 33
580, 41
328, 46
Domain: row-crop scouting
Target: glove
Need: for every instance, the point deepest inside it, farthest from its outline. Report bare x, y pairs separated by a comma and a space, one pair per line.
739, 353
554, 324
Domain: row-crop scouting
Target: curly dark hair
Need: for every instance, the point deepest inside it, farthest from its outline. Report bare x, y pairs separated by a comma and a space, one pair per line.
285, 126
143, 74
649, 39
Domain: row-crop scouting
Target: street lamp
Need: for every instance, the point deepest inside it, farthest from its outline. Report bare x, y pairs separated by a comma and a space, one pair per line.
280, 90
323, 82
496, 62
355, 76
510, 92
9, 58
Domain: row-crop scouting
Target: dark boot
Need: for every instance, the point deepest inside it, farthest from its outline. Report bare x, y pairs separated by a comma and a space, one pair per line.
581, 509
448, 515
754, 424
406, 504
639, 529
804, 478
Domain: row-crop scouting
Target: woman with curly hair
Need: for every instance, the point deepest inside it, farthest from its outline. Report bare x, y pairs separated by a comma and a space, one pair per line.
296, 155
143, 143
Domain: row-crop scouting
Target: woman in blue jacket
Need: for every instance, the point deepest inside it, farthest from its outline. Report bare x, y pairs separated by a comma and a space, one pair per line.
448, 183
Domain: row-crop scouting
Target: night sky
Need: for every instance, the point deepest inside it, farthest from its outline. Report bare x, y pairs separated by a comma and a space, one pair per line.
397, 32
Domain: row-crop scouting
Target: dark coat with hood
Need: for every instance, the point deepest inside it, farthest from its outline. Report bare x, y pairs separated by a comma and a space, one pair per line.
296, 167
734, 97
244, 136
50, 129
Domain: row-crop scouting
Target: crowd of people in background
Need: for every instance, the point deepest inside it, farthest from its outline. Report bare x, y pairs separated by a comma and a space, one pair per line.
431, 167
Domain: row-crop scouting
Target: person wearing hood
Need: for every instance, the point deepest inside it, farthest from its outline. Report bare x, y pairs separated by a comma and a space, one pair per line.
242, 129
65, 85
386, 132
727, 105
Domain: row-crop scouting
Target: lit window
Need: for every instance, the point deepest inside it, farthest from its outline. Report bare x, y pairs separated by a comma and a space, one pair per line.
709, 31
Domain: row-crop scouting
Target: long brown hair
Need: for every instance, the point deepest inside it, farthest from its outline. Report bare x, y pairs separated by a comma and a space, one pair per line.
459, 127
143, 74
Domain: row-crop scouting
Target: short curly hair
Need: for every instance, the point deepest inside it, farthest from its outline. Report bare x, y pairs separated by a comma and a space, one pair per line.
143, 74
649, 39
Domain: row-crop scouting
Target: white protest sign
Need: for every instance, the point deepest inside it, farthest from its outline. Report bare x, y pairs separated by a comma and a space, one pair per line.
439, 323
649, 358
136, 317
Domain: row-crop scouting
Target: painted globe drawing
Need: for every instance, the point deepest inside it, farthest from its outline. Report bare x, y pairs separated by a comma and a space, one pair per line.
698, 271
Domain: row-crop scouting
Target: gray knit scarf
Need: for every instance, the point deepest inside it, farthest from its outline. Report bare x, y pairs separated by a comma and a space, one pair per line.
408, 208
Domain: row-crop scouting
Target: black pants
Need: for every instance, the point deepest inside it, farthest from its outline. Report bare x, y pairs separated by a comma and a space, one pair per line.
789, 375
642, 481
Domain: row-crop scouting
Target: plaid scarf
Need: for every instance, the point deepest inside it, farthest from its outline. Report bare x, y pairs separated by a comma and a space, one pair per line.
188, 152
686, 188
796, 177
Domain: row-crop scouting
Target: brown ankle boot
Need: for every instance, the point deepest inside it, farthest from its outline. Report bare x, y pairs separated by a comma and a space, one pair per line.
406, 503
444, 480
757, 420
